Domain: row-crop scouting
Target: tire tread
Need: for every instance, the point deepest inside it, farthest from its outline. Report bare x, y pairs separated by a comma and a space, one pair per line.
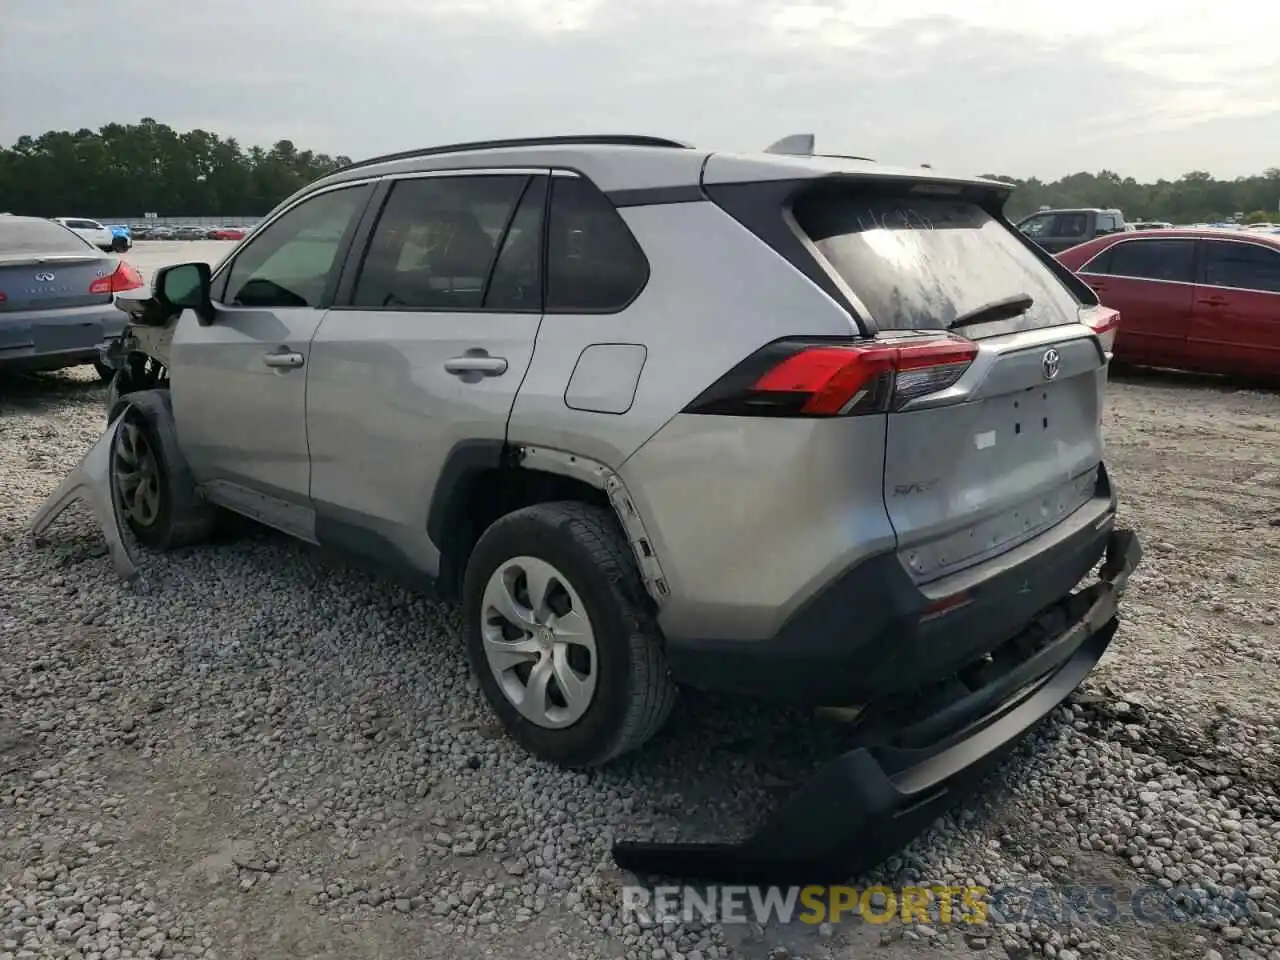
652, 693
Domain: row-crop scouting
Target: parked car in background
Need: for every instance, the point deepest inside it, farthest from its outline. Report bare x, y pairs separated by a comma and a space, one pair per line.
57, 293
227, 233
1203, 300
1151, 225
190, 232
1057, 230
121, 232
94, 232
162, 232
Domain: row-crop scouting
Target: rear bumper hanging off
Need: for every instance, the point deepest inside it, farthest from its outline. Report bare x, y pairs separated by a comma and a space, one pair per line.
864, 805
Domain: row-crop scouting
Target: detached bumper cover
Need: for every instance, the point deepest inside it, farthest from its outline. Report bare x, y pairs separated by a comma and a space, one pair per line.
91, 482
869, 802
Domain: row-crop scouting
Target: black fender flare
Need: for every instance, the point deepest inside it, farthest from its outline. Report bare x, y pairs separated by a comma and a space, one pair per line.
446, 521
447, 525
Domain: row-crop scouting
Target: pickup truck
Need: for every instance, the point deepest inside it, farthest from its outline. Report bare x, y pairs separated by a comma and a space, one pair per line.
1058, 230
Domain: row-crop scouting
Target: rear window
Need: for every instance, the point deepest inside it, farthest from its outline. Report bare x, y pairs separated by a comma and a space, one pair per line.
918, 263
38, 236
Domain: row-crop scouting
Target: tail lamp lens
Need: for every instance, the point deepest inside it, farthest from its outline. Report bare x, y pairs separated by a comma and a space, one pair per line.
125, 277
797, 378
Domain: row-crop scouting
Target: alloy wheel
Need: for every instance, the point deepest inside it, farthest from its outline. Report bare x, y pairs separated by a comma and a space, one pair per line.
137, 475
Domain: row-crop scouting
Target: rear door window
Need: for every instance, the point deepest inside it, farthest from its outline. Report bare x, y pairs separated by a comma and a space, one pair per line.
516, 282
1071, 225
1038, 226
436, 242
918, 263
1241, 266
1169, 260
1101, 264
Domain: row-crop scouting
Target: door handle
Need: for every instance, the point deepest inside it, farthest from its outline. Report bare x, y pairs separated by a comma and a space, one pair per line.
287, 361
1214, 302
477, 363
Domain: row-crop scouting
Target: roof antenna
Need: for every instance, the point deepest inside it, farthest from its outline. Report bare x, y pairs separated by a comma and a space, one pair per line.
796, 145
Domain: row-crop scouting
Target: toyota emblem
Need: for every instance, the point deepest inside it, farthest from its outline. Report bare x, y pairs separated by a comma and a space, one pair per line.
44, 277
1050, 363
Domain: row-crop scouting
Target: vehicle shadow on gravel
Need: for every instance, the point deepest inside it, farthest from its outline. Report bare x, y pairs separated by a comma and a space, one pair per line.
32, 392
1162, 377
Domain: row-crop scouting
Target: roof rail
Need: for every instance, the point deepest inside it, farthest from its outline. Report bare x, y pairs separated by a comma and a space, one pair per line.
585, 139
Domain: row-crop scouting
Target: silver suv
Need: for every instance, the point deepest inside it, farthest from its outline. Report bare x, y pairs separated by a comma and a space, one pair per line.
798, 427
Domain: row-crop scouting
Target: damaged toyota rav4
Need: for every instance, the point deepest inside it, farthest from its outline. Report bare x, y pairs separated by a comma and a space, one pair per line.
780, 424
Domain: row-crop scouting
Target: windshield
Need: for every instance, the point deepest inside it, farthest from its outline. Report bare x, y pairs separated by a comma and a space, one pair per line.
38, 236
918, 263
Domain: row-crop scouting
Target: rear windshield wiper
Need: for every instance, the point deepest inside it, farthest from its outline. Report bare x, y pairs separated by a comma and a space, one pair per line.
1005, 309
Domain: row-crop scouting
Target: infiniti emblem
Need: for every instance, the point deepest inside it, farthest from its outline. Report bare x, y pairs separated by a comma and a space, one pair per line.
1049, 363
44, 277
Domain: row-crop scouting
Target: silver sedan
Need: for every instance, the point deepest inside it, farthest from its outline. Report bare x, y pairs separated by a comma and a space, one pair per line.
57, 296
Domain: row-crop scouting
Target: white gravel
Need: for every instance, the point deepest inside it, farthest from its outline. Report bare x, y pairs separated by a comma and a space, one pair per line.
256, 752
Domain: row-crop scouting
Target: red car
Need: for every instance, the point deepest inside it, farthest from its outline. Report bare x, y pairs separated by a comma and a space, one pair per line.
227, 233
1200, 300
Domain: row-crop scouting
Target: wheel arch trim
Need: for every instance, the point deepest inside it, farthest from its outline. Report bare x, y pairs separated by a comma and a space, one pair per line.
470, 458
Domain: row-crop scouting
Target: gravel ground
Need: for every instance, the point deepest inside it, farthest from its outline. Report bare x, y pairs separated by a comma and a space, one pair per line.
255, 752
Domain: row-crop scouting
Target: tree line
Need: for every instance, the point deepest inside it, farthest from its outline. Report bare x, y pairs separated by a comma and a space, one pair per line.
130, 169
126, 170
1195, 197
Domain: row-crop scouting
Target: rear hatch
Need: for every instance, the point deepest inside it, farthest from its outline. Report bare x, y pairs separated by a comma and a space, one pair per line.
1010, 446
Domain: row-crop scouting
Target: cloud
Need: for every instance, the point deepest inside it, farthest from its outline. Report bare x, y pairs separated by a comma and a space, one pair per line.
992, 85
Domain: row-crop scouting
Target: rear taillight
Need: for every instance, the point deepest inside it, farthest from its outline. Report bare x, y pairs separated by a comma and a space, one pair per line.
124, 278
798, 378
1104, 322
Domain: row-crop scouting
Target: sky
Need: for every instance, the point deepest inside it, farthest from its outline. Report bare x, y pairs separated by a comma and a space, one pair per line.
1147, 88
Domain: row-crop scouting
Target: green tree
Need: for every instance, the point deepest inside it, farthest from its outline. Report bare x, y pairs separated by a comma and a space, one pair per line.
1195, 197
128, 169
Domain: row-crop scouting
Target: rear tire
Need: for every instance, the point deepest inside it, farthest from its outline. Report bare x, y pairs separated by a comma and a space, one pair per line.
119, 245
612, 698
152, 488
105, 373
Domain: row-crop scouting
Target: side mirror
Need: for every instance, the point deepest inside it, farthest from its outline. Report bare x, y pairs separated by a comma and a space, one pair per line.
186, 286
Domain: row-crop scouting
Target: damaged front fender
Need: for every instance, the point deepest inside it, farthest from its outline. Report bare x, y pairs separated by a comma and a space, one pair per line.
91, 482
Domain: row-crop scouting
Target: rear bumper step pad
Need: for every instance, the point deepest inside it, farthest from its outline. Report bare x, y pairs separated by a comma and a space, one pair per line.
866, 804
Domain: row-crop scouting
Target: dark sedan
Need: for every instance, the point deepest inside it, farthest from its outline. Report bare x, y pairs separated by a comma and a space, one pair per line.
57, 294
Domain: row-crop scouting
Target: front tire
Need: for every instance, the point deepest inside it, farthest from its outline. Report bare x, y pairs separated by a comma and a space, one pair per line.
152, 488
105, 373
560, 635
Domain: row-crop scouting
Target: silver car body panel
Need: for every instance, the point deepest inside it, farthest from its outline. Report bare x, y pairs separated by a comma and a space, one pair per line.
697, 256
383, 412
792, 504
241, 420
